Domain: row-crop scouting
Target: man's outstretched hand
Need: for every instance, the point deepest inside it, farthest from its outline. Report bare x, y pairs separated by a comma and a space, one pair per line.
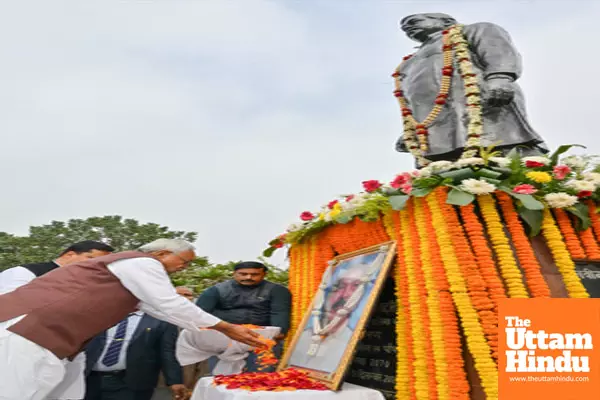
239, 333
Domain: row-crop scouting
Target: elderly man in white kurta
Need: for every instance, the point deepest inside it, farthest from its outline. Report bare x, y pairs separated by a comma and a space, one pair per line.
50, 319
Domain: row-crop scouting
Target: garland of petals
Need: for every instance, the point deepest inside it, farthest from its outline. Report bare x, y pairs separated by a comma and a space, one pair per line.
295, 281
474, 332
590, 246
538, 287
593, 212
476, 285
410, 264
504, 253
404, 362
323, 254
458, 385
430, 297
405, 374
568, 233
455, 47
283, 381
422, 300
483, 254
562, 258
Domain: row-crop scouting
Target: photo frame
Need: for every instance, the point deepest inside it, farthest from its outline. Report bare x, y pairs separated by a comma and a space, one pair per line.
326, 339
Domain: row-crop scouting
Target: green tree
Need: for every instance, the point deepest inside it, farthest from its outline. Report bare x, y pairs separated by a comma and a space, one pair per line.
202, 275
47, 241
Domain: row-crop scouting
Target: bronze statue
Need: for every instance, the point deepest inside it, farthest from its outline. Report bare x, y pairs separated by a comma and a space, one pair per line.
458, 91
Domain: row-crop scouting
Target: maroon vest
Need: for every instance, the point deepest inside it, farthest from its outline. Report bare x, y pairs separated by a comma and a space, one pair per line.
68, 306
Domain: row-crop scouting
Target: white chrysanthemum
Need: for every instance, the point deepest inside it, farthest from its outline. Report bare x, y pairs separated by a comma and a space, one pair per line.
440, 166
347, 206
560, 200
575, 162
539, 159
295, 227
424, 172
501, 161
469, 161
359, 199
476, 186
580, 185
593, 177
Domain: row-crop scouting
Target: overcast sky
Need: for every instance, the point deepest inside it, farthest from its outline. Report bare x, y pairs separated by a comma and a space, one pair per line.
229, 118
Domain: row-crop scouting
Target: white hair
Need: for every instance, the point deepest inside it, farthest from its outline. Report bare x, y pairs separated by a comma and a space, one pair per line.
172, 245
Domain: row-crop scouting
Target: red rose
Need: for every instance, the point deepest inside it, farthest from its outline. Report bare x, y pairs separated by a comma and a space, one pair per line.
278, 245
349, 197
440, 101
534, 164
331, 204
584, 193
371, 186
400, 180
307, 216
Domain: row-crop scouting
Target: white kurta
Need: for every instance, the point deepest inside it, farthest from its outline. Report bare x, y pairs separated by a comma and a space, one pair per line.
72, 387
30, 372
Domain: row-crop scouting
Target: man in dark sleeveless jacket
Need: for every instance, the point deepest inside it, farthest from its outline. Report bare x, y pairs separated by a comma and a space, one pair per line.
250, 299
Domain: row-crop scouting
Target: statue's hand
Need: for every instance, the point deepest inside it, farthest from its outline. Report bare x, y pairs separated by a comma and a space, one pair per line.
499, 91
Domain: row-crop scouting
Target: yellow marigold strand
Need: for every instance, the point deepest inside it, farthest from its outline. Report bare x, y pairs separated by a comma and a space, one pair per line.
433, 305
410, 263
562, 258
406, 315
476, 285
423, 299
402, 372
476, 342
458, 386
506, 260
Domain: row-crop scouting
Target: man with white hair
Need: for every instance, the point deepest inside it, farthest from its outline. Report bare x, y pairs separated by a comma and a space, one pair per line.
48, 321
332, 347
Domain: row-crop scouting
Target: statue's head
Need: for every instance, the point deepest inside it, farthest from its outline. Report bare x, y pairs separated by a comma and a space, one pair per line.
419, 27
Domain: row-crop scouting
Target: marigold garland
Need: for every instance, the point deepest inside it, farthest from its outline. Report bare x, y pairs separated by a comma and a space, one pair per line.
562, 258
590, 246
538, 287
483, 253
421, 290
504, 253
403, 361
410, 264
476, 285
432, 301
474, 332
404, 315
458, 384
593, 212
295, 279
568, 233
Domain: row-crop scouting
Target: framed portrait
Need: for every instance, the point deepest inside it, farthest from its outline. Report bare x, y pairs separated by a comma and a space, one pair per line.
325, 342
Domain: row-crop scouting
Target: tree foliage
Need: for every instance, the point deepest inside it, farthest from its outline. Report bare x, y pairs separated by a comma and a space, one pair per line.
202, 275
46, 242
